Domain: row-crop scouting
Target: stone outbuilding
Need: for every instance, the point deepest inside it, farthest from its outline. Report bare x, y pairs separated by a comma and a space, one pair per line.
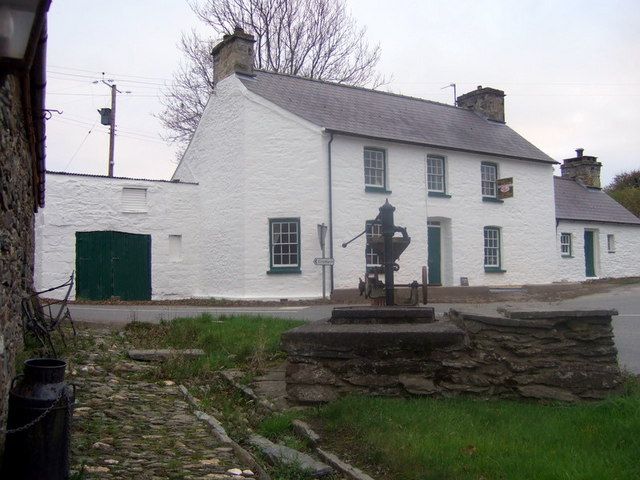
22, 177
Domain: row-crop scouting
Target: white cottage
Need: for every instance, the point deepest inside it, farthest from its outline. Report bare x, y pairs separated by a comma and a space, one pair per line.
275, 155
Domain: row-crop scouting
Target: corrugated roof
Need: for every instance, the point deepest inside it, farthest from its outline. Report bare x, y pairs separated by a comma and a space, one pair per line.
575, 202
72, 174
374, 114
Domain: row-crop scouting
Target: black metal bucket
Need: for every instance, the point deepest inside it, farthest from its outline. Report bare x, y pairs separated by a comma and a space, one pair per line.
39, 423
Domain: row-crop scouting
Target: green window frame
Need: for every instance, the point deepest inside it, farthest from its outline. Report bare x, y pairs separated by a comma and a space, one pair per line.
436, 176
375, 168
566, 244
284, 245
488, 179
493, 249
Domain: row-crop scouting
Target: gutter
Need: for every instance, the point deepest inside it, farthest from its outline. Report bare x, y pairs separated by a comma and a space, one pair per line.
330, 210
442, 147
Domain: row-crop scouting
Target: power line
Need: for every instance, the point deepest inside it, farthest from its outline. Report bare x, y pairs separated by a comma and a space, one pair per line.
119, 131
66, 94
79, 147
99, 72
93, 77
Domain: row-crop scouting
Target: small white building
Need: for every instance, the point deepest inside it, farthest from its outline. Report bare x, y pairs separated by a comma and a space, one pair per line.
275, 155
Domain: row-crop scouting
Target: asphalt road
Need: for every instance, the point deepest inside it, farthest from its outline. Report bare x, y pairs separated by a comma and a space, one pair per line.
624, 299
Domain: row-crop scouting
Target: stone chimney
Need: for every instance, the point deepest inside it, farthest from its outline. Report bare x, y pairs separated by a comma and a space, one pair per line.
488, 102
582, 168
234, 54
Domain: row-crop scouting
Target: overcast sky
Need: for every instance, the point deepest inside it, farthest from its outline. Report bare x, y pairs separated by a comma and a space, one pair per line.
570, 70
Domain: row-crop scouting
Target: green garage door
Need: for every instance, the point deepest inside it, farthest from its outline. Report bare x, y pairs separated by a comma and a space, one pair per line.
113, 264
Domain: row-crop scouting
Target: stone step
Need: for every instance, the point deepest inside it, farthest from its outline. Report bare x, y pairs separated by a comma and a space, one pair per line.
288, 456
163, 355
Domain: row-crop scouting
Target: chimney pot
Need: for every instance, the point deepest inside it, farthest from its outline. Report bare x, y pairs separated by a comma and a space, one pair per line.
584, 169
488, 102
234, 54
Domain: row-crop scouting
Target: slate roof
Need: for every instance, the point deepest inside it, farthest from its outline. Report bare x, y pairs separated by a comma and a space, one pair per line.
575, 202
375, 114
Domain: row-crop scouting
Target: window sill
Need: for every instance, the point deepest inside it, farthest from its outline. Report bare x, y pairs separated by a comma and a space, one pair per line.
283, 270
494, 270
492, 200
372, 189
611, 251
566, 256
438, 194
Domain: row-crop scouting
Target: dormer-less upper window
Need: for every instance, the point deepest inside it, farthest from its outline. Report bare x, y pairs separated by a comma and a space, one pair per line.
489, 176
375, 168
435, 174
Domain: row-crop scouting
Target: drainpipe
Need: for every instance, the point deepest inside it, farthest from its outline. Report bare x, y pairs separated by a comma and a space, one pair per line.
330, 212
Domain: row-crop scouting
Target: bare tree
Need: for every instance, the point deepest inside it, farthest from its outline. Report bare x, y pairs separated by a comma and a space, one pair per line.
311, 38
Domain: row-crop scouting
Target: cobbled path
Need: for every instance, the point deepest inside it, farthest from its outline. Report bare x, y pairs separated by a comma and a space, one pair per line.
128, 428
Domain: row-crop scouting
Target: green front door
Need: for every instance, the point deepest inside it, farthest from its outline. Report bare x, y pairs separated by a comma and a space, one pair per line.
589, 263
434, 254
113, 264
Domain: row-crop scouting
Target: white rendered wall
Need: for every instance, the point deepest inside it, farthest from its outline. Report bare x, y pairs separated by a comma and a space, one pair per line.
255, 161
215, 157
78, 203
353, 206
623, 262
286, 176
527, 220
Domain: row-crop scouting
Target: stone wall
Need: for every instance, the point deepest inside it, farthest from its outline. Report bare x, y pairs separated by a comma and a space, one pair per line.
16, 230
566, 356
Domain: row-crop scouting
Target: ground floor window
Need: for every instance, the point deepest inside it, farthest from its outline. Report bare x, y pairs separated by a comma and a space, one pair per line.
492, 248
565, 244
372, 258
284, 236
611, 243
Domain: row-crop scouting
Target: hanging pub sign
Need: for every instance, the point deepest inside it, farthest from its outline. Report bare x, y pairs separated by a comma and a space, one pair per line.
505, 187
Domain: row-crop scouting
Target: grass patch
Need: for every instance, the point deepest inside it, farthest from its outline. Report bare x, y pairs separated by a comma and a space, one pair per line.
465, 438
250, 343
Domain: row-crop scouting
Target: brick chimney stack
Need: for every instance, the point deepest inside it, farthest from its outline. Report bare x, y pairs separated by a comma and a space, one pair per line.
234, 54
488, 102
582, 168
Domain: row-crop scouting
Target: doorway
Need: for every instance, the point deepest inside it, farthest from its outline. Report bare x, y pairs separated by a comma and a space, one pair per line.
434, 253
113, 264
589, 253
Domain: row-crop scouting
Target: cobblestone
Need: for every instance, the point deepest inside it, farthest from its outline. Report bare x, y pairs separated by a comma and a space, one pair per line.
127, 428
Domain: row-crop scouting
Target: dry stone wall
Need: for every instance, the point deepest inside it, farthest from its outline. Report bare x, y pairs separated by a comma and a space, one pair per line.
565, 356
16, 231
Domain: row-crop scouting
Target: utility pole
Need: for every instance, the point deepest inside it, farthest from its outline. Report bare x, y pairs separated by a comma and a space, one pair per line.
112, 130
108, 117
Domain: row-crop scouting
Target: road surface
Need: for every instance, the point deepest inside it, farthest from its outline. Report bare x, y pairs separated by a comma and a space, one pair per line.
625, 299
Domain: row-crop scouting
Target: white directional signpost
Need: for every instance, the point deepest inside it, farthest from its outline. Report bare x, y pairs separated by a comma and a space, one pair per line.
324, 262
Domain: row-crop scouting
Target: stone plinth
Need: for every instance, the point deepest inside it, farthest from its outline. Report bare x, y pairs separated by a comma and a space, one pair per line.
566, 356
387, 315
